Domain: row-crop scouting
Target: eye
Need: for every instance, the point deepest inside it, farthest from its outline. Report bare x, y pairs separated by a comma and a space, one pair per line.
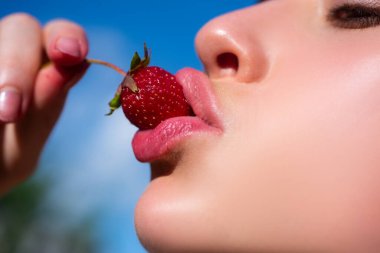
354, 16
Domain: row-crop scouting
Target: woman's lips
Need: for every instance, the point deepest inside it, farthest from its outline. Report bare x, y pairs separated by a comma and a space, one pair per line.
151, 145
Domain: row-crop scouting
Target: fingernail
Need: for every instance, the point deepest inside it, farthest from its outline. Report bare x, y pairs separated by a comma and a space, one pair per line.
68, 46
10, 104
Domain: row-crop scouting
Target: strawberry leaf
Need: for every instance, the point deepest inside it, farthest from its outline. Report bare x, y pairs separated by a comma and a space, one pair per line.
114, 103
129, 83
135, 63
146, 60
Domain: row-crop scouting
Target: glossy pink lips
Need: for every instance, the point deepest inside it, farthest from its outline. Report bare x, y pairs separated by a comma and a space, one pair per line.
153, 144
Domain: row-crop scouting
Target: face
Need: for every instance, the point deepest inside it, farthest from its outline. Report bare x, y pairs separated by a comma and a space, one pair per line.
292, 161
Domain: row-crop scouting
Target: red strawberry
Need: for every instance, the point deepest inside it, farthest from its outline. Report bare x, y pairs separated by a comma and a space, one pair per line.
148, 95
159, 97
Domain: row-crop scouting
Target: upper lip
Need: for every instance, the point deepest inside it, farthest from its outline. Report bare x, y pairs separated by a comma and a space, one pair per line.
199, 95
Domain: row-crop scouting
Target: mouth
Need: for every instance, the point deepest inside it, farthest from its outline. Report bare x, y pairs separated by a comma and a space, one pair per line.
158, 143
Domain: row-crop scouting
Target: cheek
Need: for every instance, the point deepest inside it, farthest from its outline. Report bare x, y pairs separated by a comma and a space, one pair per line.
310, 166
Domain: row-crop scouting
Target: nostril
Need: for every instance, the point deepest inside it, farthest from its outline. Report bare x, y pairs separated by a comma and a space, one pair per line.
228, 64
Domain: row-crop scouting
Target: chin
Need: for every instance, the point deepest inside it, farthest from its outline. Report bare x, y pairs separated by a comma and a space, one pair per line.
163, 218
169, 225
175, 214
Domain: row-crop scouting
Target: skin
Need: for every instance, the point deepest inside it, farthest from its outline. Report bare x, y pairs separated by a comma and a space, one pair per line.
24, 130
296, 167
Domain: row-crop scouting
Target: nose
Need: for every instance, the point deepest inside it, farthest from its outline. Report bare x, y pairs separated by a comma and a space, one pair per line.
229, 47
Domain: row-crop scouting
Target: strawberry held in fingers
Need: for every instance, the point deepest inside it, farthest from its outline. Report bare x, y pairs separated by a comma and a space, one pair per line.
148, 95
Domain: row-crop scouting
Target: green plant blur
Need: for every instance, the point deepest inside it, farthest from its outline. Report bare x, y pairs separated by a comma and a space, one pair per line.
28, 225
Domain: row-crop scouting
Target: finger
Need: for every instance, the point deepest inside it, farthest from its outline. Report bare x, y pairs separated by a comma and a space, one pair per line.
20, 58
68, 63
54, 81
66, 43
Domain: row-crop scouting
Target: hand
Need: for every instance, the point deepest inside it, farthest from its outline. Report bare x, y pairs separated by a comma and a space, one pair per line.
32, 92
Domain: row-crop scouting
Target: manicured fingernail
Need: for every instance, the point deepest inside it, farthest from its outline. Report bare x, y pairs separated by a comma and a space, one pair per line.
10, 104
68, 46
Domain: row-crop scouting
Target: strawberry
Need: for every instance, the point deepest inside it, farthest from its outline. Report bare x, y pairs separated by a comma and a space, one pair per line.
148, 95
159, 97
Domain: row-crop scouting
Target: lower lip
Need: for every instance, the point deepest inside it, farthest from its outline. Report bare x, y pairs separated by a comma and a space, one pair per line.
151, 145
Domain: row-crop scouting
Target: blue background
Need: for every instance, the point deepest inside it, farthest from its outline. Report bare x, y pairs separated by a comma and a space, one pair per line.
88, 157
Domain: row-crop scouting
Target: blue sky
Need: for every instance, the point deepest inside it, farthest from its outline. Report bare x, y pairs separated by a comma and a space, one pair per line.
89, 156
